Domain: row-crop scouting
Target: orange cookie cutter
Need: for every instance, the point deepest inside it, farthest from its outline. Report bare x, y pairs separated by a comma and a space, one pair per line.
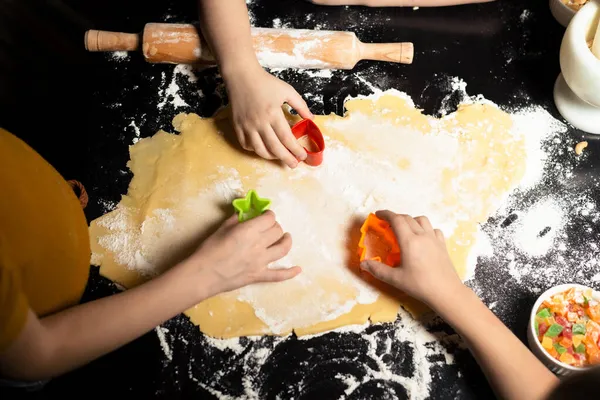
308, 128
386, 246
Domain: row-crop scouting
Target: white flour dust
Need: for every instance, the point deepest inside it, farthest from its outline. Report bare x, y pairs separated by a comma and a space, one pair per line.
161, 333
278, 24
533, 245
423, 340
303, 54
429, 349
136, 131
251, 4
171, 93
530, 243
118, 56
536, 232
107, 205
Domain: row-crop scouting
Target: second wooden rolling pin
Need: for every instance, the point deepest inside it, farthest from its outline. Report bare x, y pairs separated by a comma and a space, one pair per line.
275, 48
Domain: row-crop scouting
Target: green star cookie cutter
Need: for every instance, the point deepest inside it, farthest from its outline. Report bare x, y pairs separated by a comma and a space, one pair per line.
250, 206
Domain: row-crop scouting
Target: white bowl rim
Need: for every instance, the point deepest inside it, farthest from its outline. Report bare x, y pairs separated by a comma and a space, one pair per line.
566, 7
555, 290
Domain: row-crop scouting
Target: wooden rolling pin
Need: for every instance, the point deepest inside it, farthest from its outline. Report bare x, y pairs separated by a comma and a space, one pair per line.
275, 48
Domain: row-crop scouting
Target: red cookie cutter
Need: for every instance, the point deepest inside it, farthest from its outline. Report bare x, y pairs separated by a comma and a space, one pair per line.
307, 127
382, 245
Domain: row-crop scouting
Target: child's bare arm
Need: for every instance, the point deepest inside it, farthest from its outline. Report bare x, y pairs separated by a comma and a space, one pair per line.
234, 256
426, 273
255, 96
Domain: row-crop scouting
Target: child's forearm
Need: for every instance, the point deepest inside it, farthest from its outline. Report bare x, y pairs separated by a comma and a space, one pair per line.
226, 28
76, 336
512, 370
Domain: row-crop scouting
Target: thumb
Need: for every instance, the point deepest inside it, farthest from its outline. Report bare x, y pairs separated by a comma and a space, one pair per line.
379, 270
298, 104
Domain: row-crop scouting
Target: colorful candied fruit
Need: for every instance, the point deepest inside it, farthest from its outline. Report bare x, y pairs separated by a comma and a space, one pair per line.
568, 327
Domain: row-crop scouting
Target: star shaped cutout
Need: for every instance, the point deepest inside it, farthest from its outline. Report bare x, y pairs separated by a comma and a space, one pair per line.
250, 206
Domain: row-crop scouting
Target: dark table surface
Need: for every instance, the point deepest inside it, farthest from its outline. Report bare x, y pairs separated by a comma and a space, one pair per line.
76, 109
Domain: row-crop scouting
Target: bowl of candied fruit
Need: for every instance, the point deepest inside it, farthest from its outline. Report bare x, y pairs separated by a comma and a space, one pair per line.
564, 328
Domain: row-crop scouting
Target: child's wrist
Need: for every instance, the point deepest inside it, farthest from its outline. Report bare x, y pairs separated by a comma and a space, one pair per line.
452, 299
239, 68
197, 280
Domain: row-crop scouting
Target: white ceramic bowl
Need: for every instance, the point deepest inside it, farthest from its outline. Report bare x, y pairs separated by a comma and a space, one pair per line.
577, 89
561, 12
553, 365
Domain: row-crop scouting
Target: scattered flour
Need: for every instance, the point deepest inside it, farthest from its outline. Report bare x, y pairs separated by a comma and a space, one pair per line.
136, 131
119, 56
226, 344
482, 248
172, 94
161, 333
299, 56
427, 344
278, 24
107, 205
429, 349
537, 230
251, 4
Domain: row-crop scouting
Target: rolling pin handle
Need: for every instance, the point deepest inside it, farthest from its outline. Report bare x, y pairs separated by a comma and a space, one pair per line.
95, 40
402, 53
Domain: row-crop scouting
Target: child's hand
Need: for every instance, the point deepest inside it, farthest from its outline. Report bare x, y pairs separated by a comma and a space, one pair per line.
237, 254
256, 98
425, 272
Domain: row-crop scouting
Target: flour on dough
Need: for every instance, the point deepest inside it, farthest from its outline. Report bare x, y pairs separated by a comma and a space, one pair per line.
383, 154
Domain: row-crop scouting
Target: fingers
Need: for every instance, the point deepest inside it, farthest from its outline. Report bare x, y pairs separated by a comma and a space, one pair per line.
275, 147
414, 225
261, 223
379, 270
256, 142
284, 133
279, 275
424, 223
386, 215
271, 236
280, 248
298, 104
239, 133
398, 223
401, 221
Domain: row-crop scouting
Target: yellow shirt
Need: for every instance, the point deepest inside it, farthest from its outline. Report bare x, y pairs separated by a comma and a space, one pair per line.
44, 244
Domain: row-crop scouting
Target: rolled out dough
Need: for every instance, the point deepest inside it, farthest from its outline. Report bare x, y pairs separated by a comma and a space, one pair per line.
383, 153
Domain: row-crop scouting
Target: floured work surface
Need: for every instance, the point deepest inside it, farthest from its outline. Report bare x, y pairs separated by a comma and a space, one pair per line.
382, 154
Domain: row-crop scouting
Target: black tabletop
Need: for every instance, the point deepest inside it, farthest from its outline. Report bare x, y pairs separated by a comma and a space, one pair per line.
81, 111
